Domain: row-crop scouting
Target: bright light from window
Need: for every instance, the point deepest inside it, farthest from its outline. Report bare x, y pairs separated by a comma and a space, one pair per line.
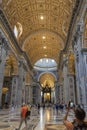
41, 93
41, 17
46, 60
44, 37
15, 31
44, 47
18, 30
45, 63
52, 60
40, 60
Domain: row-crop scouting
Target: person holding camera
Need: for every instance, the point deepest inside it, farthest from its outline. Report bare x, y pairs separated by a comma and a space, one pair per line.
79, 121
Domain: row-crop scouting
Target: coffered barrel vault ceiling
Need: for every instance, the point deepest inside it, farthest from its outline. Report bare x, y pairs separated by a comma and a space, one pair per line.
37, 47
42, 25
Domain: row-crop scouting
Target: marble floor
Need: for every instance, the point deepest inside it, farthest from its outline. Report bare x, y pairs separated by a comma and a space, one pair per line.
51, 120
47, 119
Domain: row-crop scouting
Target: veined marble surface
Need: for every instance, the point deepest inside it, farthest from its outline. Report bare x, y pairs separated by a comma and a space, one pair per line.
44, 119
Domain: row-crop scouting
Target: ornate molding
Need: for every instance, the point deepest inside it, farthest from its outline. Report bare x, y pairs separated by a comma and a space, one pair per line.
13, 39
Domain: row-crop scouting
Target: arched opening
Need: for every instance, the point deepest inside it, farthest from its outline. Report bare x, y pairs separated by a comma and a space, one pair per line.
11, 69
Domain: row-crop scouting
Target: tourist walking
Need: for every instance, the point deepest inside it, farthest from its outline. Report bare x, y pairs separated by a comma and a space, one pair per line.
24, 110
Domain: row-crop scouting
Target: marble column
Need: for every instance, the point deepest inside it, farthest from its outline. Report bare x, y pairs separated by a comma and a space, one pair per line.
3, 53
85, 71
56, 93
52, 95
61, 94
21, 84
30, 94
71, 88
36, 93
27, 94
39, 94
79, 65
14, 90
65, 83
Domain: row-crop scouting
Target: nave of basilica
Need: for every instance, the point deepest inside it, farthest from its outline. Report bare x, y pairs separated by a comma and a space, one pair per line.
43, 59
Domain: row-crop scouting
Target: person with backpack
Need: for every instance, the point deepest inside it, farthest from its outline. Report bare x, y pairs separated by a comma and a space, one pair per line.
28, 113
79, 121
24, 110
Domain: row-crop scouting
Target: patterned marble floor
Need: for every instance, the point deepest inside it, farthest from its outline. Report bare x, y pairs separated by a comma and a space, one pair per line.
50, 120
10, 119
47, 119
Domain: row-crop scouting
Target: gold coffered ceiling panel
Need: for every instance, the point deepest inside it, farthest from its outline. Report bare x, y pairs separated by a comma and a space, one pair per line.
50, 16
37, 47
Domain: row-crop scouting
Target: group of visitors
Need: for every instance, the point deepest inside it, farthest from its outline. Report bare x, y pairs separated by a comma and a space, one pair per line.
59, 107
77, 124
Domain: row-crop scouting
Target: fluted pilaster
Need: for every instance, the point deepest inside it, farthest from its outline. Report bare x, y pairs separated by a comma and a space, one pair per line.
3, 54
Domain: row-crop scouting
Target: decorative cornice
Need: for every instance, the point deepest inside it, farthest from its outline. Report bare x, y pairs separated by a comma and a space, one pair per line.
12, 37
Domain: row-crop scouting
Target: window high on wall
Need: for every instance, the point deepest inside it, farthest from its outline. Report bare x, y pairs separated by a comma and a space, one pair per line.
46, 63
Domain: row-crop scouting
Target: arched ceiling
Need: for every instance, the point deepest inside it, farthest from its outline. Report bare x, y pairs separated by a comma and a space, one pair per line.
47, 79
37, 18
45, 44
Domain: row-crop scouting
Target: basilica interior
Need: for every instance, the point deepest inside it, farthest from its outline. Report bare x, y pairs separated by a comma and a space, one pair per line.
43, 52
